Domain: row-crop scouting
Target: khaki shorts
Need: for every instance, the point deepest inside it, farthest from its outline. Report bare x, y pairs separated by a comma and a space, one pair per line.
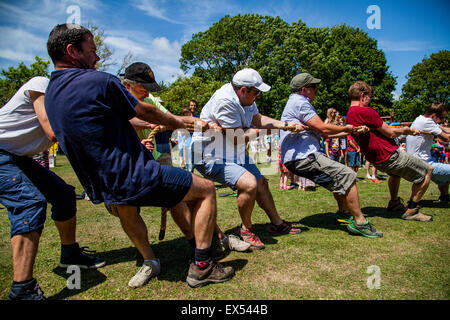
327, 173
404, 165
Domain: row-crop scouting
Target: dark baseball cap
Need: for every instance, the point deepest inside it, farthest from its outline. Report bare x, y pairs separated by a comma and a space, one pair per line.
141, 73
302, 80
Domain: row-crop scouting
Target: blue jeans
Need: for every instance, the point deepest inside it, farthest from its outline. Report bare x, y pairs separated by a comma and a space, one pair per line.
25, 188
353, 159
441, 173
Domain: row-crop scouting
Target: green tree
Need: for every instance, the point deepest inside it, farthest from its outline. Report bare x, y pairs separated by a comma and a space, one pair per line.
103, 50
13, 78
426, 82
227, 46
338, 55
179, 93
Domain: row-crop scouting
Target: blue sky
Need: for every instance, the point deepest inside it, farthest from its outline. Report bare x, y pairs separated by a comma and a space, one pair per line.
154, 30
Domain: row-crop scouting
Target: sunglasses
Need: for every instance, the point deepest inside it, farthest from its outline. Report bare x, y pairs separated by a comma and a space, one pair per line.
257, 93
313, 86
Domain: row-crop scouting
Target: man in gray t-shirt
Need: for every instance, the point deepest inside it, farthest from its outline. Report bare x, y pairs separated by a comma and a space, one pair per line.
301, 156
233, 109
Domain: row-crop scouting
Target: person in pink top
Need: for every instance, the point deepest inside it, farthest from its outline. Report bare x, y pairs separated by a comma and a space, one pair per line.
379, 148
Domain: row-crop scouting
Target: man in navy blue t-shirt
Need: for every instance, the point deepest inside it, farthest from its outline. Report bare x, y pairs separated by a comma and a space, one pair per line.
89, 112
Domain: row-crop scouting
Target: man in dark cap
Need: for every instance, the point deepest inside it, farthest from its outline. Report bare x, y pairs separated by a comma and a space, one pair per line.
300, 153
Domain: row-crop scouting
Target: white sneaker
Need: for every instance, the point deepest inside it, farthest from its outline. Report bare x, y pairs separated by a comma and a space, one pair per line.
369, 177
233, 242
144, 274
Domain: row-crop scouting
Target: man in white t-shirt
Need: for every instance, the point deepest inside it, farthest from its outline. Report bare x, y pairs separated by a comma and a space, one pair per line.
233, 108
420, 146
26, 187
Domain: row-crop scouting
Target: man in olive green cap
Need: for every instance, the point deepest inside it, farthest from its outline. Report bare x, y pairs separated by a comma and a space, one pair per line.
300, 153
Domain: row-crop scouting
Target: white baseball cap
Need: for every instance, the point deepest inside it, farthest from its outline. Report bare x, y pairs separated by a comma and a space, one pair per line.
250, 78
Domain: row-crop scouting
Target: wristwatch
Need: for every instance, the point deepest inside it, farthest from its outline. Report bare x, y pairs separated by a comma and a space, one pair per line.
286, 124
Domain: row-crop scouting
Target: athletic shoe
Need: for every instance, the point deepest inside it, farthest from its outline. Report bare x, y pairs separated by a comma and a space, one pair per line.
284, 228
232, 242
366, 229
145, 273
415, 215
368, 177
29, 290
375, 180
444, 198
343, 217
81, 257
214, 273
396, 205
249, 236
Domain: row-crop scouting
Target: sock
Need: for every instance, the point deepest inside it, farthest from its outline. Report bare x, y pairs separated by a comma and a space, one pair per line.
154, 262
69, 246
412, 204
202, 257
23, 282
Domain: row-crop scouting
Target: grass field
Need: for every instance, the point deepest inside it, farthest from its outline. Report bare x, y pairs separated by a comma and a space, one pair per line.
323, 262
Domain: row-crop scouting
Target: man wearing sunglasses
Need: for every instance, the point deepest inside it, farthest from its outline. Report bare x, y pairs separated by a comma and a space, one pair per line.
420, 146
233, 108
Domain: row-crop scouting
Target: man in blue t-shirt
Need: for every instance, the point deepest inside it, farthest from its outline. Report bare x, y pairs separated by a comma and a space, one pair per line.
89, 112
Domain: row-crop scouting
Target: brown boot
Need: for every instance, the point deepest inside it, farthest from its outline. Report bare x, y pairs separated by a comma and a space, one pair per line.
415, 215
214, 273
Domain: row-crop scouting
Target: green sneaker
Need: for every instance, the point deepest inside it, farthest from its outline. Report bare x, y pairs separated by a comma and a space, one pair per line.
343, 217
366, 229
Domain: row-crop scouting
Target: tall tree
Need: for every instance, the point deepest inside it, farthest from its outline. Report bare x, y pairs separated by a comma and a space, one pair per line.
179, 93
227, 46
339, 56
103, 50
13, 78
426, 82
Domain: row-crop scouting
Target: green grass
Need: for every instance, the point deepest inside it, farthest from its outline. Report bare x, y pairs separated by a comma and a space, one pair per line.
323, 262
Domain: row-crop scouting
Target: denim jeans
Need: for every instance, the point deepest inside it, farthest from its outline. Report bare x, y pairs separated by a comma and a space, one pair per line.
25, 189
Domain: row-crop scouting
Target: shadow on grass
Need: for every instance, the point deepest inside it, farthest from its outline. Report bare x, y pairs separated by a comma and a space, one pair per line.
89, 279
322, 220
434, 204
266, 237
174, 256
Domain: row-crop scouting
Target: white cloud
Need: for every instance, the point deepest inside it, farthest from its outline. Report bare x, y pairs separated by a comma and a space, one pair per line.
161, 54
21, 45
153, 9
407, 45
396, 96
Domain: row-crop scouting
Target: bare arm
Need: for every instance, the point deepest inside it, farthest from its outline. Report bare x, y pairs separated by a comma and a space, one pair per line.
39, 108
140, 124
264, 122
445, 134
327, 129
150, 113
392, 133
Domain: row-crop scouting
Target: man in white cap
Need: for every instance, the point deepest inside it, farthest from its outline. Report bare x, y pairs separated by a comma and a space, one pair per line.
233, 108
